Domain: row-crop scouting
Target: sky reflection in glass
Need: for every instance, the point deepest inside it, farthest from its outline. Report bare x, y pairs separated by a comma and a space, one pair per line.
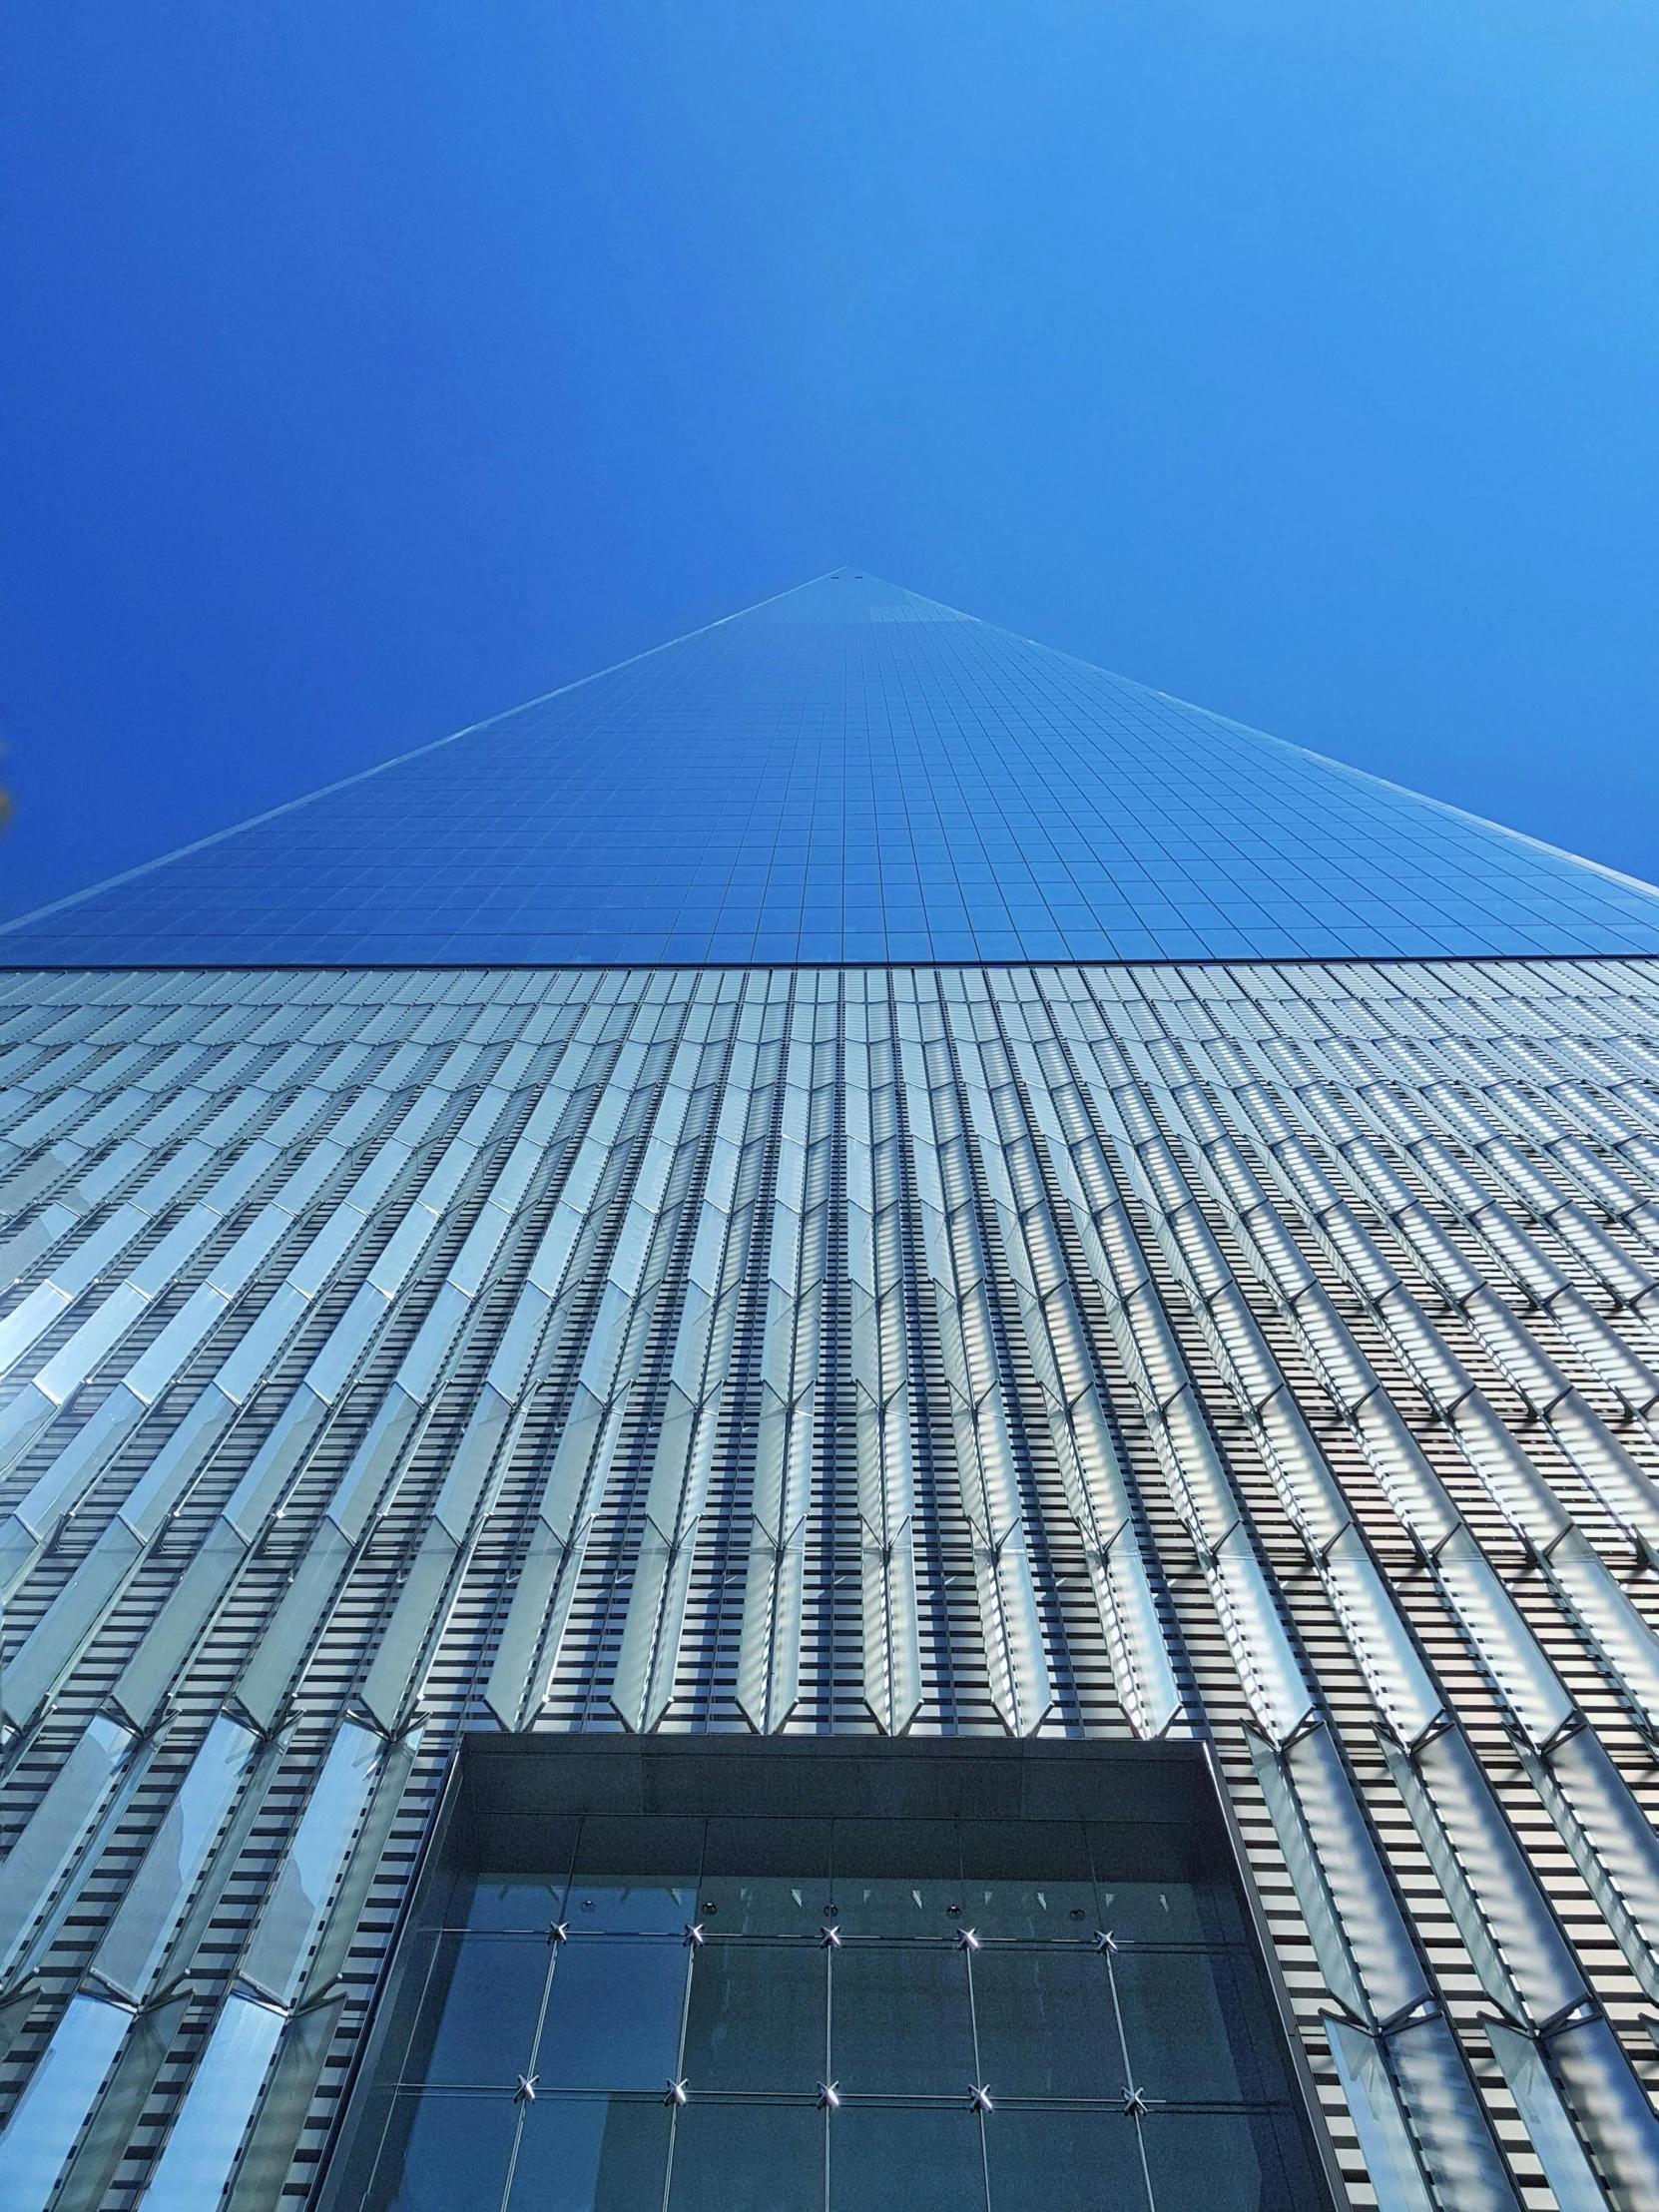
849, 774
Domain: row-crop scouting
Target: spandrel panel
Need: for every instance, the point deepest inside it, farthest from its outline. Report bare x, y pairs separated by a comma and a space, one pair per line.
1043, 1911
899, 1908
766, 1906
1166, 1912
511, 1906
642, 1908
898, 1877
613, 2013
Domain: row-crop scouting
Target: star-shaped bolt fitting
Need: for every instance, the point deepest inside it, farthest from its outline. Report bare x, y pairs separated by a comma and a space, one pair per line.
525, 2093
979, 2097
828, 1938
678, 2093
829, 2096
1137, 2104
693, 1937
558, 1931
968, 1938
1104, 1940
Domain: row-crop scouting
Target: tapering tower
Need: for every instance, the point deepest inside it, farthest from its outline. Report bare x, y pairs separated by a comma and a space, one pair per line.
854, 1420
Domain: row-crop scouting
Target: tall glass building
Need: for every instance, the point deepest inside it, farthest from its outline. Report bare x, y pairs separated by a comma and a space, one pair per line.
855, 1421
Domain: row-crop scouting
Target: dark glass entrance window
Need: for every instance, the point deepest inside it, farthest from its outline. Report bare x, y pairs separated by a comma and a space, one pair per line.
928, 2015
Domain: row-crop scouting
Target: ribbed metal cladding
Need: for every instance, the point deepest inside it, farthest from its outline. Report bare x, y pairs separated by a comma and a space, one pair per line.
1267, 1352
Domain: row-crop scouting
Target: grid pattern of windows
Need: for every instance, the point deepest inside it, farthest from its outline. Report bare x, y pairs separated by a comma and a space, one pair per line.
851, 774
855, 2038
1262, 1354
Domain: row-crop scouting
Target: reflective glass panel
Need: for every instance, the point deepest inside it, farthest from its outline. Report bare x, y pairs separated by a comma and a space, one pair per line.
507, 1904
873, 1905
1214, 2162
485, 1999
1168, 1911
631, 1908
764, 1906
1189, 2025
758, 2016
843, 2074
613, 2013
1046, 2027
591, 2154
892, 2158
445, 2154
748, 2158
850, 771
900, 2021
1064, 2162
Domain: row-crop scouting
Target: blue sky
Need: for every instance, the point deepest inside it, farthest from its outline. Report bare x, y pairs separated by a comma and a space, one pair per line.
368, 368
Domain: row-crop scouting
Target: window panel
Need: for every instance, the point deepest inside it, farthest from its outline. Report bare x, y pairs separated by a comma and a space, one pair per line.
1046, 2027
757, 2019
900, 2021
483, 2001
1188, 2023
748, 2158
1064, 2162
445, 2154
591, 2154
1214, 2162
897, 2159
613, 2013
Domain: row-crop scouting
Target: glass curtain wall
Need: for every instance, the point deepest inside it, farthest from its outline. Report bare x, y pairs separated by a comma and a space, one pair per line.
905, 2020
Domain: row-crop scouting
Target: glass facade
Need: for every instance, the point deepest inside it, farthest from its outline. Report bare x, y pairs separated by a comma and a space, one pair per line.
1097, 2066
1065, 1296
851, 773
899, 2011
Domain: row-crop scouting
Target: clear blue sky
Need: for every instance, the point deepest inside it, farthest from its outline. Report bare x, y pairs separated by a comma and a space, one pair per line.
368, 368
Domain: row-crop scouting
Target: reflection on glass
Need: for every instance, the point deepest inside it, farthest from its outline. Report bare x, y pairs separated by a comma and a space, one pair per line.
877, 1906
631, 1908
758, 2016
1189, 2029
901, 2023
768, 1906
1162, 1911
748, 2158
886, 2159
1047, 1912
1046, 2027
903, 2016
486, 1994
1210, 2162
590, 2155
507, 1902
445, 2154
613, 2015
1064, 2162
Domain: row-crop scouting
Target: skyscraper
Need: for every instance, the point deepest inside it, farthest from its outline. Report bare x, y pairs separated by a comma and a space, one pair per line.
852, 1420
